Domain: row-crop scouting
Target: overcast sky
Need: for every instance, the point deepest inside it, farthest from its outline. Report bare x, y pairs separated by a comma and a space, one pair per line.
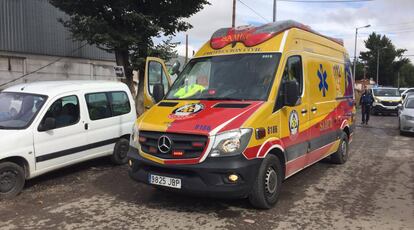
394, 18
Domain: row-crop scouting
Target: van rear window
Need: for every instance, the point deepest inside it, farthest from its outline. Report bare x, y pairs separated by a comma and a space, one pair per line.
107, 104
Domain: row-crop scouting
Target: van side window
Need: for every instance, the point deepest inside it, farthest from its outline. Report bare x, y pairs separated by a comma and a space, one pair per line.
98, 106
65, 111
107, 104
293, 72
119, 103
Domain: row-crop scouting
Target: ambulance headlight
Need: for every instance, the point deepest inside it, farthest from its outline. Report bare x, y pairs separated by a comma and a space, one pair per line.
134, 142
230, 143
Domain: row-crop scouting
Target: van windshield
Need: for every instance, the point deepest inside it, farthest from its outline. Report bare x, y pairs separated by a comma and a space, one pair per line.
230, 77
386, 92
17, 110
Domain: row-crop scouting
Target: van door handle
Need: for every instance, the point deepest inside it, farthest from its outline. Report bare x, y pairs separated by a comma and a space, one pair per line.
86, 126
314, 109
304, 111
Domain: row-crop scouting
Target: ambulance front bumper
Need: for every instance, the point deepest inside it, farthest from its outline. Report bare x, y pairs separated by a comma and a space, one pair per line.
209, 178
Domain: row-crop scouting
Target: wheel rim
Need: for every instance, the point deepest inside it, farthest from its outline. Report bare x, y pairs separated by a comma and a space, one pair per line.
8, 180
271, 180
123, 151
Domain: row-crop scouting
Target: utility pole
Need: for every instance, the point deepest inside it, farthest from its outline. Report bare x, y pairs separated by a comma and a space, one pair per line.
233, 21
378, 51
186, 49
355, 50
398, 80
274, 10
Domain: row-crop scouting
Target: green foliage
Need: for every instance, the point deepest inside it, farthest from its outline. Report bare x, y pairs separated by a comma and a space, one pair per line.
127, 25
390, 59
407, 75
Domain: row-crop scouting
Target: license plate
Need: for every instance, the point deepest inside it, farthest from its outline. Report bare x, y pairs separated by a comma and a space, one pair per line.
165, 181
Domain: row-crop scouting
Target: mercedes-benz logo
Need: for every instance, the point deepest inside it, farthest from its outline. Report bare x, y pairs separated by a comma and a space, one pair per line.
164, 144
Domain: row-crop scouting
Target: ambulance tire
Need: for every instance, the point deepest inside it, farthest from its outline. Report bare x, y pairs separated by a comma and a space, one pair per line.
266, 188
341, 156
12, 179
119, 157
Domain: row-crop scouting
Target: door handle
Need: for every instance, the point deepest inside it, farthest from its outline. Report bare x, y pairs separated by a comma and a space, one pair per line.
86, 126
304, 111
314, 109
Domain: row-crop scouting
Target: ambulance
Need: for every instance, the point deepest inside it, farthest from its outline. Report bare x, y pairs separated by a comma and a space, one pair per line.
254, 106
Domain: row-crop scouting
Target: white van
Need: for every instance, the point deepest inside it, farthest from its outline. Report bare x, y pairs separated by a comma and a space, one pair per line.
49, 125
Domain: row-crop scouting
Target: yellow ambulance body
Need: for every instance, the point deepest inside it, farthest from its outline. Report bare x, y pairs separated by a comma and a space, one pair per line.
253, 107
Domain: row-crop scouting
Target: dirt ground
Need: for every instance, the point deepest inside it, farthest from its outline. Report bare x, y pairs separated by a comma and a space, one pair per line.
373, 190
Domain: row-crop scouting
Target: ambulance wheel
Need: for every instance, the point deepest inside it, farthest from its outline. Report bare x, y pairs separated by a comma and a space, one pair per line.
266, 188
119, 157
341, 156
12, 178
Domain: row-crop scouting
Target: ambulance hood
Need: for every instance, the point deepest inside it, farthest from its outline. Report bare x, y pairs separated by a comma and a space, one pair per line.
197, 117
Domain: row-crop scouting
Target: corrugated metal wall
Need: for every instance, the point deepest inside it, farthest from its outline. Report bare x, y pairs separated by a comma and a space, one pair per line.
31, 26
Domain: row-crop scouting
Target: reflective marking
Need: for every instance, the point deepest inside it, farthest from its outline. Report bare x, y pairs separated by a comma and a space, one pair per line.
282, 44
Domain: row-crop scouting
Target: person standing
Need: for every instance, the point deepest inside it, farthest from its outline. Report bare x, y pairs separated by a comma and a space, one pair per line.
366, 103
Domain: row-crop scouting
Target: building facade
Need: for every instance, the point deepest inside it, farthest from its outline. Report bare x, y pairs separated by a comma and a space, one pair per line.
33, 40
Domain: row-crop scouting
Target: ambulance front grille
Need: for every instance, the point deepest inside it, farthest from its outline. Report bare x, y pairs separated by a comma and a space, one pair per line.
191, 146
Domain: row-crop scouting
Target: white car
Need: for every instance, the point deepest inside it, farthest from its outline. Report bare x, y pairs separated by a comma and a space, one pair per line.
386, 100
407, 92
406, 115
49, 125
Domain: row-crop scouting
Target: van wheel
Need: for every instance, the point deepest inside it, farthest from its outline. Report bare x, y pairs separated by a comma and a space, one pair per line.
341, 156
121, 148
266, 188
12, 178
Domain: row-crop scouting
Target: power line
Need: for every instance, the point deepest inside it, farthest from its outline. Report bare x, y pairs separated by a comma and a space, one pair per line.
327, 1
38, 69
254, 11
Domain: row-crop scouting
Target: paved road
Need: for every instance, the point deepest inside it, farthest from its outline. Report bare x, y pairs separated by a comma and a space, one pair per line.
373, 190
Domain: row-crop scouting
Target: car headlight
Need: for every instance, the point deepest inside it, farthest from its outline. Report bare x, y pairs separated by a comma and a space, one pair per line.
408, 118
230, 143
377, 100
134, 142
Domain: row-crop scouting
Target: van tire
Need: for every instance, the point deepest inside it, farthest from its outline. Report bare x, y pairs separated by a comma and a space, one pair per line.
265, 194
12, 179
342, 155
119, 157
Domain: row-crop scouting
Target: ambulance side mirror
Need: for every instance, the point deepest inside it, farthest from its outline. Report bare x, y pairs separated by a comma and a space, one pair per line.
175, 68
158, 92
291, 93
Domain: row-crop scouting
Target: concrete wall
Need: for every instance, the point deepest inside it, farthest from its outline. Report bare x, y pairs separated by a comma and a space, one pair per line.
14, 65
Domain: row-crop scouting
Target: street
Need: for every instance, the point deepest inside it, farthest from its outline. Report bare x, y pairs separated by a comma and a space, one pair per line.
373, 190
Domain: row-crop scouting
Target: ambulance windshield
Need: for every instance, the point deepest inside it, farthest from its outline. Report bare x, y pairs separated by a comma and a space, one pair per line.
230, 77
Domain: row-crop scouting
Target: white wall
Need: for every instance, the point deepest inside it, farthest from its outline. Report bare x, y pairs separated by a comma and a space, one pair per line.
13, 65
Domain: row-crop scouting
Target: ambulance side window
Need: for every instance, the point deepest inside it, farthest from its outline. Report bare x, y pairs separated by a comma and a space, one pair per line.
292, 72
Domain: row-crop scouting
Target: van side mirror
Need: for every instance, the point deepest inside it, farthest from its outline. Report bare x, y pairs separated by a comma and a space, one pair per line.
175, 68
291, 93
158, 92
48, 124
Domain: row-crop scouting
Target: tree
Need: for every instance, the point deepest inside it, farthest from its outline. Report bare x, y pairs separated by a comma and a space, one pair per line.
407, 75
390, 59
127, 28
